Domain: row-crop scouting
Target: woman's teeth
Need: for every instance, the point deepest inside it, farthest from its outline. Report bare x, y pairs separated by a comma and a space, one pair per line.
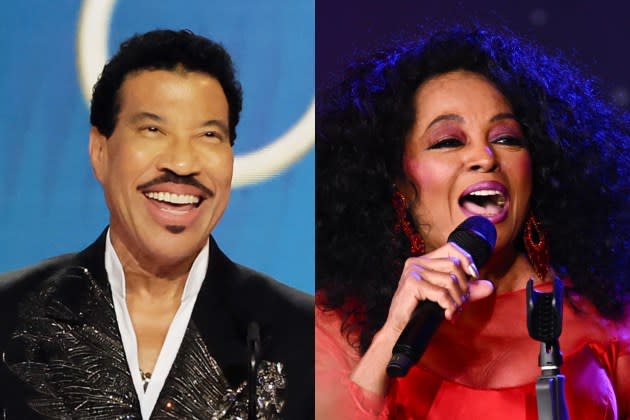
495, 196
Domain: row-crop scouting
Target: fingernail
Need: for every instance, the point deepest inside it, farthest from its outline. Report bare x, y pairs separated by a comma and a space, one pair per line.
453, 277
472, 270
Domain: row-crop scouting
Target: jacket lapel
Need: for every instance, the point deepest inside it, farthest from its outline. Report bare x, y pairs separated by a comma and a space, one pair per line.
209, 373
220, 316
78, 368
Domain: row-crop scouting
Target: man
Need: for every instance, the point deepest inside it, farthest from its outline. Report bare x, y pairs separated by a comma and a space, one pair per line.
153, 320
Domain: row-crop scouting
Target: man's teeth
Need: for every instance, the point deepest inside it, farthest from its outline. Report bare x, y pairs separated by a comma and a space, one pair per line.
499, 200
173, 198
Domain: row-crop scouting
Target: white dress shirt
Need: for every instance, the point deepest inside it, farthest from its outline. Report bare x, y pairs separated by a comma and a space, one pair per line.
175, 335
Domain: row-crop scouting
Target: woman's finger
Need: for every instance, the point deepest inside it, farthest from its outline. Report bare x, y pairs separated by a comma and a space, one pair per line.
480, 289
449, 265
452, 250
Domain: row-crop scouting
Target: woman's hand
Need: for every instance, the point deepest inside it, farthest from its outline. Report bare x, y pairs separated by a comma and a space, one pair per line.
447, 276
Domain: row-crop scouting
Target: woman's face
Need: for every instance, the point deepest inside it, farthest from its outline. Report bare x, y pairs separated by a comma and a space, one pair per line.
464, 156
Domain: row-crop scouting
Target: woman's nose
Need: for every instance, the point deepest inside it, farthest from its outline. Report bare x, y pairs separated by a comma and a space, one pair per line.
482, 158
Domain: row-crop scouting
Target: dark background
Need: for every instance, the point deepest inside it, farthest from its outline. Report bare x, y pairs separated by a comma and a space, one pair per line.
593, 34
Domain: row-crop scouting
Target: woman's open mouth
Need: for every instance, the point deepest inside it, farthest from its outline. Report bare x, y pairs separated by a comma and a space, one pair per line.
489, 199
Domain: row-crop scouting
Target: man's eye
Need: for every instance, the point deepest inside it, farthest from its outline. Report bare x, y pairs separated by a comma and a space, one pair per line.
213, 135
447, 143
150, 129
509, 141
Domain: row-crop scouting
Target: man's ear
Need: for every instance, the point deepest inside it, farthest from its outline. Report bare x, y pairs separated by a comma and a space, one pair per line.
98, 153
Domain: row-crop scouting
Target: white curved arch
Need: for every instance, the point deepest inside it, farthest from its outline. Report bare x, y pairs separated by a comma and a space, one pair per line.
92, 39
250, 168
270, 160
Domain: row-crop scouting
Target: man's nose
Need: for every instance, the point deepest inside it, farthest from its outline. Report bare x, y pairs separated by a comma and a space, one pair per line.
180, 157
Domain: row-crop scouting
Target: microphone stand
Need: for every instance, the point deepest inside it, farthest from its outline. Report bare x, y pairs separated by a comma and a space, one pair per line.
544, 323
253, 346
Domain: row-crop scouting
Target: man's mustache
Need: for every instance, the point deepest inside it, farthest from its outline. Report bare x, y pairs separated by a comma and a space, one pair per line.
169, 176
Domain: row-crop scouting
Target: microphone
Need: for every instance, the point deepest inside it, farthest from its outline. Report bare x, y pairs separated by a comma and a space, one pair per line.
253, 346
475, 235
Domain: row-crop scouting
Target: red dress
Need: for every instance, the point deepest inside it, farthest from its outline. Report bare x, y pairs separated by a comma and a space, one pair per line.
484, 366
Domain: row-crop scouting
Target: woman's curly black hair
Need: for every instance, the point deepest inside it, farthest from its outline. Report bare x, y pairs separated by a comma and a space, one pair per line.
580, 148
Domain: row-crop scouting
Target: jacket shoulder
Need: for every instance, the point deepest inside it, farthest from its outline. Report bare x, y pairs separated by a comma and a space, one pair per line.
16, 286
273, 294
25, 279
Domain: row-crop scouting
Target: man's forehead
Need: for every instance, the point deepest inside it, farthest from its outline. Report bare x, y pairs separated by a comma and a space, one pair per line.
178, 70
148, 94
134, 85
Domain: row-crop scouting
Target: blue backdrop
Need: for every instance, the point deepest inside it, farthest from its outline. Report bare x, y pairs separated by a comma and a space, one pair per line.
51, 203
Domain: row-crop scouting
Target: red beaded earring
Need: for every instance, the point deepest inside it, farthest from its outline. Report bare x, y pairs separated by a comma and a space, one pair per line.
536, 246
403, 224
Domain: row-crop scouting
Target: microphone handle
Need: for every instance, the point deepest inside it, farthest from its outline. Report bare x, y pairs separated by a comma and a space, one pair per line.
253, 345
425, 320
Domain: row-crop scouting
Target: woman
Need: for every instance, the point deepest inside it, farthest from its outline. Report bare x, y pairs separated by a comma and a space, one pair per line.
410, 144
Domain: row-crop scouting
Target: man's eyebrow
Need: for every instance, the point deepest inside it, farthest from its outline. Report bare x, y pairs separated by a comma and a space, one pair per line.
145, 115
155, 117
217, 123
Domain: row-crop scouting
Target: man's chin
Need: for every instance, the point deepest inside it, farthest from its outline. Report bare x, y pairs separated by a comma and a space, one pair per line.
171, 243
175, 228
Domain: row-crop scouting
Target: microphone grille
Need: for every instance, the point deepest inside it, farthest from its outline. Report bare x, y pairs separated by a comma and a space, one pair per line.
477, 236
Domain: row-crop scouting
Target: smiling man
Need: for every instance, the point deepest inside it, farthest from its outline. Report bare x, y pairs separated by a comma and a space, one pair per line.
153, 320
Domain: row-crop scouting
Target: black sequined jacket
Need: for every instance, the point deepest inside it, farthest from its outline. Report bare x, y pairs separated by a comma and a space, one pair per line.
63, 356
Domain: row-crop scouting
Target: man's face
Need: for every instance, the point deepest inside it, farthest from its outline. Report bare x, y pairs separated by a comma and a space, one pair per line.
167, 168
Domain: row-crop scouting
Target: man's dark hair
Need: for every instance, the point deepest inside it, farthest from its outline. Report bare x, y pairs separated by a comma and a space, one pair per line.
163, 50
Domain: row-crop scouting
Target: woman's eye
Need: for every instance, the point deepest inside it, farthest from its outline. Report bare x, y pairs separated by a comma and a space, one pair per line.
509, 141
447, 143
